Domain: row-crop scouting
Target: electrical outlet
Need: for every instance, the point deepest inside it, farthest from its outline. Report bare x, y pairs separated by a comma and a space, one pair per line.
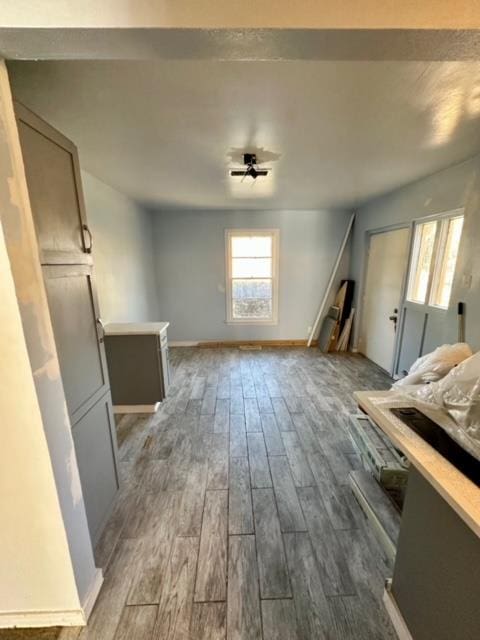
309, 330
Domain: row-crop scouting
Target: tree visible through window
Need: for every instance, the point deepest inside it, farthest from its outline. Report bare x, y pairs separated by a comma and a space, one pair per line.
252, 277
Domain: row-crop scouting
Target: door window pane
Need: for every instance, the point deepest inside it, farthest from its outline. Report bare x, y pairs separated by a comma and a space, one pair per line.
421, 263
445, 270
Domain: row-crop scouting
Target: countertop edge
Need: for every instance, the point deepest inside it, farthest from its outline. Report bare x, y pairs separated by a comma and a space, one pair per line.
455, 491
136, 328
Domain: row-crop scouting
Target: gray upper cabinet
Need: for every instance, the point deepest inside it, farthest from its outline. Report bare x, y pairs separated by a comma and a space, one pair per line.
55, 191
54, 185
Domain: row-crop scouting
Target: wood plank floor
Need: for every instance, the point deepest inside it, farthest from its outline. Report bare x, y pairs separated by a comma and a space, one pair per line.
235, 520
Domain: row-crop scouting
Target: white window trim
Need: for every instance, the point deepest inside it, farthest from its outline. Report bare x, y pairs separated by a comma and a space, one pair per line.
275, 234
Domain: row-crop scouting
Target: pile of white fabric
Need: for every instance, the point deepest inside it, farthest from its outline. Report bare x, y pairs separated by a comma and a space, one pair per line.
449, 379
435, 365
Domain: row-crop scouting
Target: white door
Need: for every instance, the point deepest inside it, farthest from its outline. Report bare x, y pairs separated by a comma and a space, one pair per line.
387, 264
432, 270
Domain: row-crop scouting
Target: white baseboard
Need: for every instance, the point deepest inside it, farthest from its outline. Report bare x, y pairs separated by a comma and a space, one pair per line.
22, 619
93, 592
183, 343
136, 408
73, 618
395, 615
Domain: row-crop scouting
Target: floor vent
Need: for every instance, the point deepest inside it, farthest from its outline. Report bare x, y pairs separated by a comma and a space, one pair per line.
250, 347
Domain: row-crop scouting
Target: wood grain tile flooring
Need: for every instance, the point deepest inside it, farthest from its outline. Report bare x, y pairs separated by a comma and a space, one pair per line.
235, 520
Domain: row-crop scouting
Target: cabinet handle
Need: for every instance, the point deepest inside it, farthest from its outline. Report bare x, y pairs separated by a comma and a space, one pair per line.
102, 329
88, 249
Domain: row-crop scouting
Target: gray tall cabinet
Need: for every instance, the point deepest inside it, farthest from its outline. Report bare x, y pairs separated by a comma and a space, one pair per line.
65, 244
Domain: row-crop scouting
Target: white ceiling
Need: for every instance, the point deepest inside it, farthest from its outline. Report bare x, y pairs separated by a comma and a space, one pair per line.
208, 14
334, 133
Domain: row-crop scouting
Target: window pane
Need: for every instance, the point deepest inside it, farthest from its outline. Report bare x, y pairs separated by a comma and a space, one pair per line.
244, 289
422, 260
257, 308
251, 246
251, 267
446, 270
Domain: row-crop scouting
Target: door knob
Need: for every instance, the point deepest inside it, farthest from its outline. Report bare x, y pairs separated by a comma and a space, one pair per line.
394, 319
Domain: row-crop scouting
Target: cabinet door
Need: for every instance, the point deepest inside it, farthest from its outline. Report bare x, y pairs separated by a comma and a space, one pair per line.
78, 335
134, 368
54, 185
95, 447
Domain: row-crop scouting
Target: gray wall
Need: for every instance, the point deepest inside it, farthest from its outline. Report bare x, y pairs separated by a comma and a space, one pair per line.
457, 186
190, 252
123, 253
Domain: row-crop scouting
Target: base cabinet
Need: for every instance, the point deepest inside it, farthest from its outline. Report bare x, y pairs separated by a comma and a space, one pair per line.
135, 370
138, 365
436, 578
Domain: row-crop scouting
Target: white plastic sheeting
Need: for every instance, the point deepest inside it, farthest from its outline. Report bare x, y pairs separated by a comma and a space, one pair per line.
458, 395
435, 365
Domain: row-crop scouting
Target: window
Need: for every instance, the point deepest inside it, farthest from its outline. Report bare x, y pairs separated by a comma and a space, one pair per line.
421, 261
252, 275
434, 257
445, 267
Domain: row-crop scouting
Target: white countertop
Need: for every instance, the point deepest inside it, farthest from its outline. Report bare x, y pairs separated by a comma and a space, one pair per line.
460, 492
134, 328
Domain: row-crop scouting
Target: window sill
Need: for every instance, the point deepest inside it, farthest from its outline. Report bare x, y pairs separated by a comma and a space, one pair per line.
262, 323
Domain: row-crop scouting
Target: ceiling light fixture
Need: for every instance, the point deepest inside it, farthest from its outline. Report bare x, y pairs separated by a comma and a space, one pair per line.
250, 160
